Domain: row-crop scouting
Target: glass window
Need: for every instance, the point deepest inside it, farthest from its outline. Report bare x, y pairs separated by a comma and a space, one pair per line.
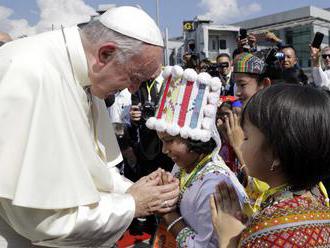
222, 44
213, 43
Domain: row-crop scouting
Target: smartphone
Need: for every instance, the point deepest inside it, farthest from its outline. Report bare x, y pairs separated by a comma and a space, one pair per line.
242, 33
318, 38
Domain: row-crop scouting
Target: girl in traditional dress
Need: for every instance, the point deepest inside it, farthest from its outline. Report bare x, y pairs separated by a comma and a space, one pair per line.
185, 123
286, 145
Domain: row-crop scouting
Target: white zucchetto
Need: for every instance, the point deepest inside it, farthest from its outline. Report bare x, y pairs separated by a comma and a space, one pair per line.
133, 22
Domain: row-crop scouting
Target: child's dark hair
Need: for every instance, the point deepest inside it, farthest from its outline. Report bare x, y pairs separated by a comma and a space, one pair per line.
201, 147
295, 121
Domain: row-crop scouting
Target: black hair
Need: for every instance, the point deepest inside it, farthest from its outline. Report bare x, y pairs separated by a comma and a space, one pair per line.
223, 55
295, 76
226, 104
295, 121
289, 46
201, 147
192, 62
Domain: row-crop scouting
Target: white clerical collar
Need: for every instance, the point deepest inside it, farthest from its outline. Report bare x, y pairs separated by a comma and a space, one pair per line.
77, 55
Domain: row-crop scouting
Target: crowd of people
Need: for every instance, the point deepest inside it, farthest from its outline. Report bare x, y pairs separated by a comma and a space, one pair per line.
98, 138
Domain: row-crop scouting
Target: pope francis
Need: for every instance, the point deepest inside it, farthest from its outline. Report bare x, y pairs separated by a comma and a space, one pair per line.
59, 186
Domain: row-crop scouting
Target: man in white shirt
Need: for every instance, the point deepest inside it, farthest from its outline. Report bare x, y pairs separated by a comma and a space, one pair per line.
59, 185
321, 77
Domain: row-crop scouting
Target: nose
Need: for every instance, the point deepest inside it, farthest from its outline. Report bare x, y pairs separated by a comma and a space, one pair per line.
238, 92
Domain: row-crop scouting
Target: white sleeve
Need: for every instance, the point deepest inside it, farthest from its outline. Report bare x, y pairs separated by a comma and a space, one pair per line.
320, 77
120, 183
97, 225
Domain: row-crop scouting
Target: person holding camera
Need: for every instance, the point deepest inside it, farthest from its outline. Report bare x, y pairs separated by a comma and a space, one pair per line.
225, 74
246, 43
147, 146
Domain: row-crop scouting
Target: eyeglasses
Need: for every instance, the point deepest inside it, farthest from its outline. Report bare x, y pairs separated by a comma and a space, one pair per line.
324, 56
223, 65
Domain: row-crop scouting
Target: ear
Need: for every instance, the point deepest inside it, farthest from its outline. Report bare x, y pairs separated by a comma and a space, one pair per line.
266, 82
106, 52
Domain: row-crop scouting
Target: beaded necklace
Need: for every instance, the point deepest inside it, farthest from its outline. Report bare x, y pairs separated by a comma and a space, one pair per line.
185, 179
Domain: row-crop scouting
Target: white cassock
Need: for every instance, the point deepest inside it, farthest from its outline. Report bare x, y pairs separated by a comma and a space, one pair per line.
56, 188
321, 78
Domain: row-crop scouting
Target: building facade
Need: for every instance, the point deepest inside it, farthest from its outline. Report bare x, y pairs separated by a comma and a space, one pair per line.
207, 40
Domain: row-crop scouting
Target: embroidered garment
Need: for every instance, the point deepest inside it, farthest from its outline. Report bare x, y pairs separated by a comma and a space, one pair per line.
195, 207
290, 219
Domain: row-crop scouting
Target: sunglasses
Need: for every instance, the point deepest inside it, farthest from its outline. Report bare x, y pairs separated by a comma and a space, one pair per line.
324, 56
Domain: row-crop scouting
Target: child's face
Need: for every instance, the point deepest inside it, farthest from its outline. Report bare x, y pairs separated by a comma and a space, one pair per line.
247, 86
176, 148
256, 153
221, 125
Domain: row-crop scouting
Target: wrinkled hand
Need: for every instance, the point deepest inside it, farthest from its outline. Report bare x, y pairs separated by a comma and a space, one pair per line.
135, 113
315, 55
234, 131
164, 176
151, 197
270, 36
226, 215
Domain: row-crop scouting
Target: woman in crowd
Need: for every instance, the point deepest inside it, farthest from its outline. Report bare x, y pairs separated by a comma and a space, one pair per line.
185, 122
287, 145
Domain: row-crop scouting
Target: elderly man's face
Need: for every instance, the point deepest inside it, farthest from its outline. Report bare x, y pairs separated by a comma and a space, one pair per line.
116, 76
326, 58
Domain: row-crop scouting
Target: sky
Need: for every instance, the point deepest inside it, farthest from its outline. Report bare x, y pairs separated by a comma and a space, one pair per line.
27, 17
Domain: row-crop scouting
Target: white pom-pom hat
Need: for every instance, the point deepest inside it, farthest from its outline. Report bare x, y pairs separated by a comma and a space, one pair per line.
187, 104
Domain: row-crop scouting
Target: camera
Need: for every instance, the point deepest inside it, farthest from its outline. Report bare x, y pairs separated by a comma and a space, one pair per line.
273, 56
213, 70
148, 109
